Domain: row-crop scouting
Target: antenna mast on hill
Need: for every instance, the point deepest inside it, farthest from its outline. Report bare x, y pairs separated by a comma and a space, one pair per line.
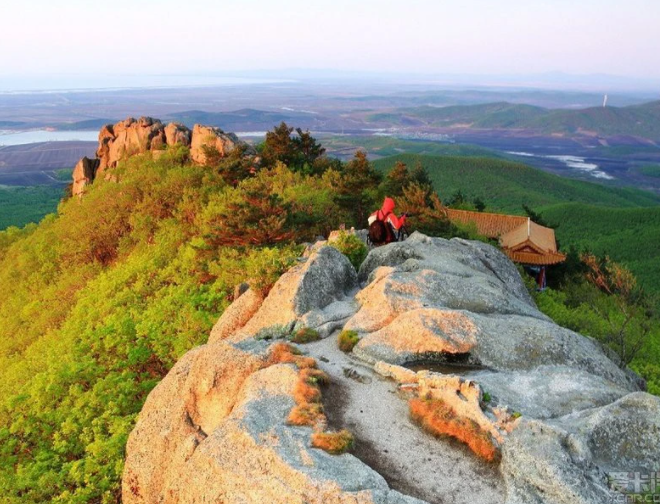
605, 101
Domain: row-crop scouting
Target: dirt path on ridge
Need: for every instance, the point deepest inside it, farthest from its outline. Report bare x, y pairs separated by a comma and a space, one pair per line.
411, 461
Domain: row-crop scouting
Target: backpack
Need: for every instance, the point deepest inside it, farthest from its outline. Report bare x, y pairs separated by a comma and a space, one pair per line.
380, 232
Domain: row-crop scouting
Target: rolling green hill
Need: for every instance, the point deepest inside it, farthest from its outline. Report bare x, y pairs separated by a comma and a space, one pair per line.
635, 120
628, 235
505, 185
391, 146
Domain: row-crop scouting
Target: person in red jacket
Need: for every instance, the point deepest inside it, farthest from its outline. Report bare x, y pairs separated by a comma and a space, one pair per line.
386, 215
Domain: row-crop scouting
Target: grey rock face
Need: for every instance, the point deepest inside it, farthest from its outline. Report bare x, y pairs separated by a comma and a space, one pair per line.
572, 458
327, 276
542, 463
313, 294
477, 284
622, 436
548, 391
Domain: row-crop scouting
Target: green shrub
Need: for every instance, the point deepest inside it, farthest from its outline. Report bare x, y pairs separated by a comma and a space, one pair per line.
305, 335
272, 333
347, 340
352, 247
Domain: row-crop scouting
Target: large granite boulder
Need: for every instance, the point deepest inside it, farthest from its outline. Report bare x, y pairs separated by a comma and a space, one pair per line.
127, 138
464, 298
315, 294
83, 174
575, 459
215, 430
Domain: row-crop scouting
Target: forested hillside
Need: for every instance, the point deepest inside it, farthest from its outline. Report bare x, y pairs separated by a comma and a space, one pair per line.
22, 205
505, 185
628, 235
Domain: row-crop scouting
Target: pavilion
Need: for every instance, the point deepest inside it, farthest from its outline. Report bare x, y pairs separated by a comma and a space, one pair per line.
521, 239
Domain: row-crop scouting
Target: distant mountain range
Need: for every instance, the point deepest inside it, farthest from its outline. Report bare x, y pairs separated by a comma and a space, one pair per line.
634, 120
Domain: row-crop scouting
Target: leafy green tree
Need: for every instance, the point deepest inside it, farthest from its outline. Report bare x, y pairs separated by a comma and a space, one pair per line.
358, 188
300, 152
396, 180
479, 204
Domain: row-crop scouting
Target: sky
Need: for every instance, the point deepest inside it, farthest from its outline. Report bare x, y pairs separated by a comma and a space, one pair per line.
40, 38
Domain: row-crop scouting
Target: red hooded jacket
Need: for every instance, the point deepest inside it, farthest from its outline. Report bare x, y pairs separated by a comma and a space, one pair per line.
386, 214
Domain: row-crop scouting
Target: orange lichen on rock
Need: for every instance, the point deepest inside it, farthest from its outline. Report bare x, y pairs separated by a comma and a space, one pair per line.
333, 442
441, 420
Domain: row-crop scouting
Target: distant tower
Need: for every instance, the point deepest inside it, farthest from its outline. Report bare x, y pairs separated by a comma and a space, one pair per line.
605, 101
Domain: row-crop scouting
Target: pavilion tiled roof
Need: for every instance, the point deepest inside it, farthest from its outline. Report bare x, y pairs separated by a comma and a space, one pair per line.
488, 224
521, 239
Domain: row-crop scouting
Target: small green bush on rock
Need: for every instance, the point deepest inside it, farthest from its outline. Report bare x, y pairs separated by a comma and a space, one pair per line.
352, 247
305, 335
272, 332
347, 340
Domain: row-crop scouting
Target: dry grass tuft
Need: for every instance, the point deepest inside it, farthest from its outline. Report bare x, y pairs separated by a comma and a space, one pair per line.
333, 442
305, 362
347, 340
306, 414
283, 353
305, 335
314, 376
306, 393
440, 419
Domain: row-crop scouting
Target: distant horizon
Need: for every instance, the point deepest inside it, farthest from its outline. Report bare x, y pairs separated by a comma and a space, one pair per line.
545, 81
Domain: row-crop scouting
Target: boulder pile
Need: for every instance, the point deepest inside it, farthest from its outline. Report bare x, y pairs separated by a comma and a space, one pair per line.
563, 417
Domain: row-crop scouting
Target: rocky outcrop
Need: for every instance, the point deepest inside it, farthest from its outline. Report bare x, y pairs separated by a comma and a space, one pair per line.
83, 174
214, 430
137, 136
206, 137
561, 414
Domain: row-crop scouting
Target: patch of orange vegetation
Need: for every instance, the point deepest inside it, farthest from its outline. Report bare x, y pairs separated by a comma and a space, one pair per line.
307, 394
441, 420
306, 414
333, 442
283, 353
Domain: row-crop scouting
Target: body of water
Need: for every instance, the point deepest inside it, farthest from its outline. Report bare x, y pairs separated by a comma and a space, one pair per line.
574, 162
37, 136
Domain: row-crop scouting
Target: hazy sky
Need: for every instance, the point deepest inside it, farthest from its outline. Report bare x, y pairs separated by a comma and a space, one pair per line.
620, 37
